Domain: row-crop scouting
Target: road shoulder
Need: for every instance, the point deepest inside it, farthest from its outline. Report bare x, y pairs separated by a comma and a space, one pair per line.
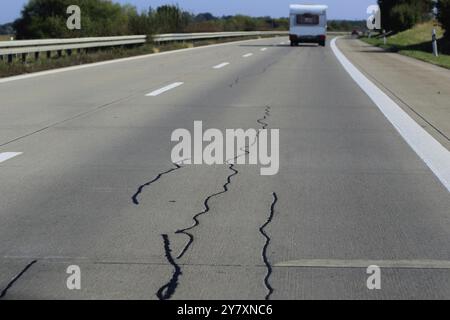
421, 89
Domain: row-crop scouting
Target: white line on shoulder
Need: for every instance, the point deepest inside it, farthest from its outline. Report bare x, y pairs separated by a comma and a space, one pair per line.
436, 157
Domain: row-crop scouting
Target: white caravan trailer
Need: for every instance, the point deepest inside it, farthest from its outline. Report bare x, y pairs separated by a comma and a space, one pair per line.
308, 23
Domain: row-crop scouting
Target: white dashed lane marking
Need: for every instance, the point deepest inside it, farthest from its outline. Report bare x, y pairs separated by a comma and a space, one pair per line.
220, 66
8, 155
164, 89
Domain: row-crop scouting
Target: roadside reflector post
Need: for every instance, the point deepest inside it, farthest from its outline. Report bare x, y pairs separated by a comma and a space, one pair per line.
435, 46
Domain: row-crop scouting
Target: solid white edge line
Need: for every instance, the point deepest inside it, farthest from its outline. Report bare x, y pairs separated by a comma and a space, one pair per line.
164, 89
4, 156
247, 55
102, 63
436, 157
220, 66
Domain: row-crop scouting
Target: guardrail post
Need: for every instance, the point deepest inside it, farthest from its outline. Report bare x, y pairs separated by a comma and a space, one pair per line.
49, 54
59, 53
69, 52
435, 46
24, 57
10, 58
36, 56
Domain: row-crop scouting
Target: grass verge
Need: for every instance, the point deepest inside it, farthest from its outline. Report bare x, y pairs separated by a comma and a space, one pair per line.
416, 43
4, 37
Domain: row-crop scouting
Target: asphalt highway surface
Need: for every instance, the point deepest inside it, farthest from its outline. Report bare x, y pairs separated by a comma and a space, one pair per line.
86, 179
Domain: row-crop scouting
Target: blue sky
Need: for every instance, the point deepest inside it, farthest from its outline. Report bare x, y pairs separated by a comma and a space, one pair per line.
338, 9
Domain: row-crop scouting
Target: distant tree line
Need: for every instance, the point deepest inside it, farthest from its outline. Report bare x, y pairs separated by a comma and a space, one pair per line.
47, 19
346, 25
6, 29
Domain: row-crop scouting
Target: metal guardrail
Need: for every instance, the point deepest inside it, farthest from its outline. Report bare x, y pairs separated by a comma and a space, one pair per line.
212, 35
48, 45
25, 47
215, 35
30, 46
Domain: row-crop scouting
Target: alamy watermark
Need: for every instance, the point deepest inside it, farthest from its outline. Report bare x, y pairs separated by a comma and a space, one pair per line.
74, 20
374, 20
374, 280
74, 280
234, 146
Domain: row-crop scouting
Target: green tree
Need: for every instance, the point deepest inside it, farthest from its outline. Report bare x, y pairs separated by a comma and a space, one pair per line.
444, 16
399, 15
170, 19
47, 19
